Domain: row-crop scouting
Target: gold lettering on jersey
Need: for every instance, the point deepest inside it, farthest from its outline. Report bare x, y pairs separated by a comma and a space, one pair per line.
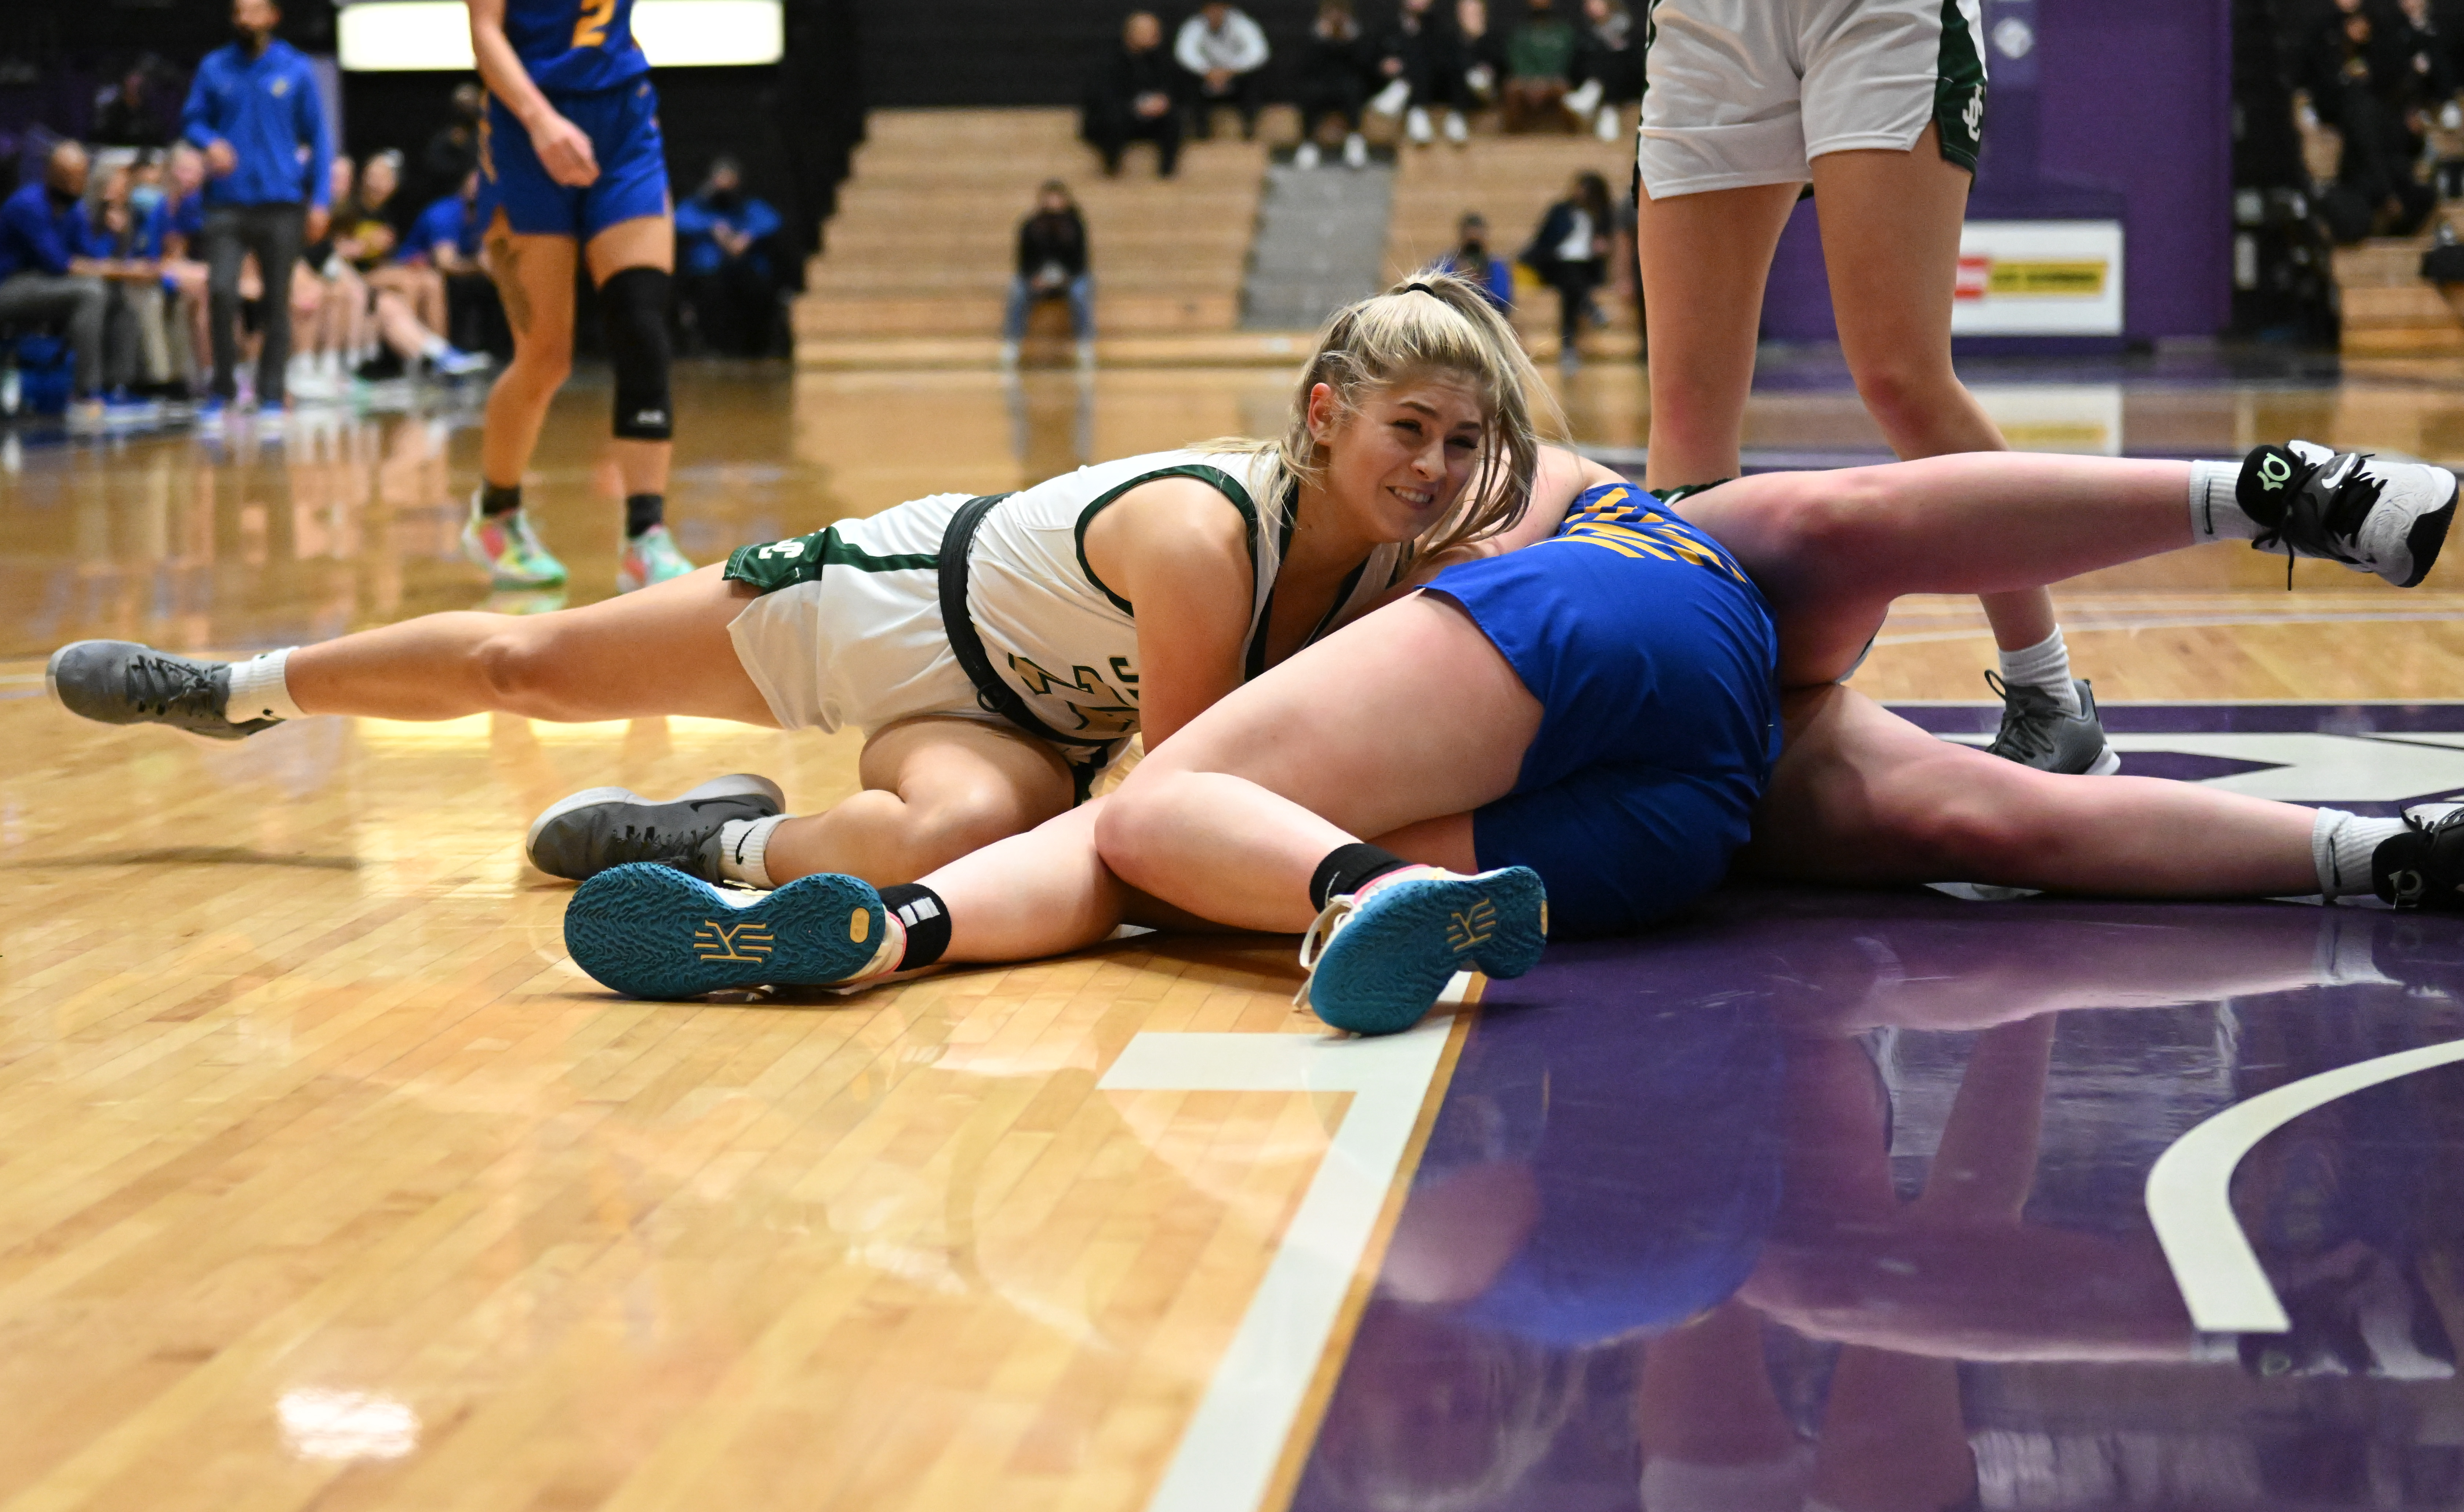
1473, 925
745, 942
590, 28
1103, 713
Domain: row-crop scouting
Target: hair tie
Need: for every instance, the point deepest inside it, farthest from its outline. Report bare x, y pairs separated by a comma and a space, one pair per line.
1418, 287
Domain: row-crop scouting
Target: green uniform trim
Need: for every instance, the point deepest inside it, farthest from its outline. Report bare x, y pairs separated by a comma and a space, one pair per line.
802, 559
1959, 90
1214, 478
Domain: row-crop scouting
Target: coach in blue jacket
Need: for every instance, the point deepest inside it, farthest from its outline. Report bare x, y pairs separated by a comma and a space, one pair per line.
253, 106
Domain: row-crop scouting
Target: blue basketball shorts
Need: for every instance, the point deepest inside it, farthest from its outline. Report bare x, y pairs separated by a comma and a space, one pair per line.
1656, 664
623, 124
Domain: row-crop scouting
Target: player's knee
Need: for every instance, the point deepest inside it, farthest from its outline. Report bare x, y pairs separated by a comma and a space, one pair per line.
542, 361
518, 669
1904, 392
633, 304
950, 825
1970, 832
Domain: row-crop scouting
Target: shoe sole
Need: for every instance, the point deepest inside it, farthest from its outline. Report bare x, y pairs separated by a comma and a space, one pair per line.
2428, 535
651, 932
2107, 761
1383, 972
736, 785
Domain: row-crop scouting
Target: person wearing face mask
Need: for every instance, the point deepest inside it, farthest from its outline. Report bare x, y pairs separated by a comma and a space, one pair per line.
46, 277
731, 284
255, 106
1472, 262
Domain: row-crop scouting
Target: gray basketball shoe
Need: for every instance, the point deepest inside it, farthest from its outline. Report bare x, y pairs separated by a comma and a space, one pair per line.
2367, 512
2040, 733
598, 827
121, 682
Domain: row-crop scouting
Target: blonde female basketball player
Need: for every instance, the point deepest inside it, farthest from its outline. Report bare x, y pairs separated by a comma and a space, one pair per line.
1596, 716
994, 651
1878, 105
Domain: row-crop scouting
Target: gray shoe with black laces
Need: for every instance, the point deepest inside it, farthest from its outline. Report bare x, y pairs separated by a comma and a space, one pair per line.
121, 682
2040, 733
2367, 512
2423, 866
598, 827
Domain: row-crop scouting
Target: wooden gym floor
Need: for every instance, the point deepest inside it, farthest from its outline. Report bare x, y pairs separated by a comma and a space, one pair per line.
325, 1180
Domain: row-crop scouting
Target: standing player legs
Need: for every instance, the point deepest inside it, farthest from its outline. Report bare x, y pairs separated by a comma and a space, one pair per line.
1890, 238
1357, 737
1704, 258
648, 241
534, 276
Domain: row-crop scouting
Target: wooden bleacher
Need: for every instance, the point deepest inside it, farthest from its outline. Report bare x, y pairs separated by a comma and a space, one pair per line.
917, 264
1513, 181
2388, 309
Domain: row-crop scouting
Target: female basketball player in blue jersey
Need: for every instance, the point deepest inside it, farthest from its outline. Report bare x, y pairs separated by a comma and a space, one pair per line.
572, 165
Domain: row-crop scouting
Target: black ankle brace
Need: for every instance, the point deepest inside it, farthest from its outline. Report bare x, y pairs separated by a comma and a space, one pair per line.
644, 512
1346, 866
927, 920
494, 500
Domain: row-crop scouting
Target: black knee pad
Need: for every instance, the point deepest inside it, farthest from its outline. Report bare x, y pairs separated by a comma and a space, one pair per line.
633, 308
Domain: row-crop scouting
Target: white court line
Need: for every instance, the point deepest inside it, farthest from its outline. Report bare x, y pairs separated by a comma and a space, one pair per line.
1229, 1451
2190, 1192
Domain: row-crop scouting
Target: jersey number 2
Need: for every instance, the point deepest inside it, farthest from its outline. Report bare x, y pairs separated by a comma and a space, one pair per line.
591, 29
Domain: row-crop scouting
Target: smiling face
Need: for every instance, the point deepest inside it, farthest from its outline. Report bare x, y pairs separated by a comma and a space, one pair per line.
1395, 465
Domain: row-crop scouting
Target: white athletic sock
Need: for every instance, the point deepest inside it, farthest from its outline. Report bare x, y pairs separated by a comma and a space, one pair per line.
2046, 665
258, 690
2341, 847
742, 845
433, 346
2215, 513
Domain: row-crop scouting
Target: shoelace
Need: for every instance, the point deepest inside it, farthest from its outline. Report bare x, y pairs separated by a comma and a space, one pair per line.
2027, 715
1321, 933
163, 685
2330, 525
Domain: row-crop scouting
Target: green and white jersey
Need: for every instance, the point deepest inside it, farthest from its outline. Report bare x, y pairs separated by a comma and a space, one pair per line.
848, 629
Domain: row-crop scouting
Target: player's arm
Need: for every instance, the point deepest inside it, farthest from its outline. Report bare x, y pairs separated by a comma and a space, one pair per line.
1179, 553
564, 148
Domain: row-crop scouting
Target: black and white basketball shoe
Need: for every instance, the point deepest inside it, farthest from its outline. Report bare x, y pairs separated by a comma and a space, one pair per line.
2423, 866
121, 682
2367, 512
598, 827
2040, 733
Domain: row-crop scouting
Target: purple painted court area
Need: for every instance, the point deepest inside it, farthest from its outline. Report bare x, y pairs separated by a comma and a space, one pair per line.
1836, 1199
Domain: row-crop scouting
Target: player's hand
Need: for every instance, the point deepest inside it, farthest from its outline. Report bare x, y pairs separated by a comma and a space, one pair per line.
220, 159
317, 218
563, 149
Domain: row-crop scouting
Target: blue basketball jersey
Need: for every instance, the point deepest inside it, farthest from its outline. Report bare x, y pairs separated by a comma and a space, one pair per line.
573, 46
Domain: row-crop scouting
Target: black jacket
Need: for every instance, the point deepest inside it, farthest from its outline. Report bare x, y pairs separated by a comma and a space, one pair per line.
1056, 237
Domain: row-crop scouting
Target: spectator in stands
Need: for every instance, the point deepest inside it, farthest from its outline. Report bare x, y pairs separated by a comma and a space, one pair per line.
184, 273
359, 317
1570, 253
1539, 70
445, 240
1225, 54
125, 115
1419, 68
1608, 68
1471, 261
255, 106
45, 277
1130, 98
1052, 265
124, 247
453, 151
1333, 85
728, 240
2360, 80
1480, 52
372, 239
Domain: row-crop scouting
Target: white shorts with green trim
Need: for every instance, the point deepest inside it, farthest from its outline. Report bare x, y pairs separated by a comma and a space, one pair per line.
1746, 92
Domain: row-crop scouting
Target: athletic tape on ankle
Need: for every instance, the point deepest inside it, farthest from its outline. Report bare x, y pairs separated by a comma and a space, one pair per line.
925, 917
1347, 867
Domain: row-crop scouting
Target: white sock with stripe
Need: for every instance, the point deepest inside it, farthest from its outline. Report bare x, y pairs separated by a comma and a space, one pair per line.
258, 690
2045, 665
2215, 510
2341, 847
742, 844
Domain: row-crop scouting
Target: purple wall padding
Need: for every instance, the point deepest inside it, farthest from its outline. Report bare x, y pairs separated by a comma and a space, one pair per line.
2133, 97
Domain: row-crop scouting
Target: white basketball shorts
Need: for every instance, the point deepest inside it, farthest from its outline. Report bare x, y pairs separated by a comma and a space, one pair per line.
1745, 92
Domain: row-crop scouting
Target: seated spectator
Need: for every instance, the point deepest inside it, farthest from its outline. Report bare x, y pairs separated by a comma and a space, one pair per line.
1570, 251
123, 244
46, 277
1333, 85
1608, 68
2360, 80
445, 241
1471, 261
127, 114
1225, 54
1052, 265
1539, 70
453, 151
1130, 98
184, 272
371, 237
1419, 68
1479, 52
727, 241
